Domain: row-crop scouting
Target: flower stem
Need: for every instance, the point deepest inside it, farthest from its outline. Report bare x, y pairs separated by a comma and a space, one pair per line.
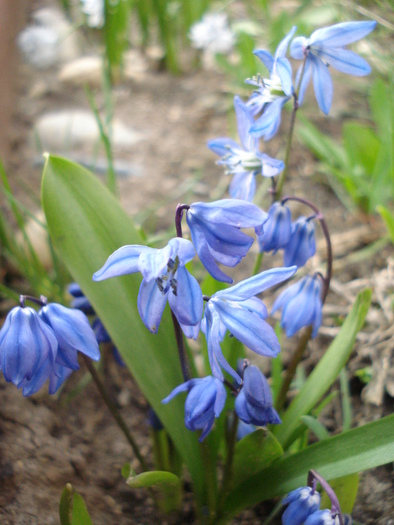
291, 369
257, 263
313, 478
181, 348
178, 218
114, 411
227, 473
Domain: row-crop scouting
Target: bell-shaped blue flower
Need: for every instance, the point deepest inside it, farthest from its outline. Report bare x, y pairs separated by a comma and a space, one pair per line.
164, 278
238, 311
56, 374
215, 230
322, 517
301, 305
301, 245
244, 162
205, 402
73, 333
26, 343
326, 47
79, 300
253, 404
301, 502
276, 230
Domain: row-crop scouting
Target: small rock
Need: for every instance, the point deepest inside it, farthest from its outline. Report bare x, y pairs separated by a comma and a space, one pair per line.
84, 70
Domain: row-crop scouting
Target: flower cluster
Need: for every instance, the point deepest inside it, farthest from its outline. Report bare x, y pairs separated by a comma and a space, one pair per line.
40, 346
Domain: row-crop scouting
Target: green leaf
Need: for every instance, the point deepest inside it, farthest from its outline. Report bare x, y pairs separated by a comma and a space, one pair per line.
388, 218
156, 478
358, 449
362, 146
87, 224
326, 371
346, 489
72, 508
316, 427
253, 454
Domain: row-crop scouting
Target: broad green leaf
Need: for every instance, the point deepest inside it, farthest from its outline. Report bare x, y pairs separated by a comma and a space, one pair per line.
358, 449
316, 427
253, 454
362, 146
72, 508
326, 371
87, 224
156, 478
346, 490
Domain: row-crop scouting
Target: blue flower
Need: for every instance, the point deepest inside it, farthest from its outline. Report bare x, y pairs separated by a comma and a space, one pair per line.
322, 517
272, 93
301, 245
276, 230
253, 404
56, 374
164, 277
244, 429
302, 305
73, 333
205, 402
216, 235
238, 311
79, 300
26, 343
302, 503
244, 162
324, 48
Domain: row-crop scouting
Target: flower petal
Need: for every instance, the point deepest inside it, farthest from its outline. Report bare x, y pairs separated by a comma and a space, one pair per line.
266, 58
244, 123
322, 83
222, 145
345, 61
151, 304
233, 212
123, 261
341, 34
243, 186
187, 303
297, 47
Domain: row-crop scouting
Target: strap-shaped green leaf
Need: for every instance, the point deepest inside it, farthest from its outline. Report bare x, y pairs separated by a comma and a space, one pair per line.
87, 224
359, 449
326, 371
72, 508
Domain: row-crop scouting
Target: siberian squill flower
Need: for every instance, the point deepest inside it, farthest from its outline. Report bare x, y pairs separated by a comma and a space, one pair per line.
205, 401
94, 11
80, 301
26, 343
164, 278
244, 162
237, 310
212, 34
301, 245
323, 517
301, 305
302, 502
273, 93
253, 404
277, 229
324, 48
215, 231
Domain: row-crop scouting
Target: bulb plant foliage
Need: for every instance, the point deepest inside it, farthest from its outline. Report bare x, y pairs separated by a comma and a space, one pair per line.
230, 409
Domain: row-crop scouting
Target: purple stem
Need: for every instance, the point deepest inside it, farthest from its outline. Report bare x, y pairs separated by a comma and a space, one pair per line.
313, 478
42, 301
178, 218
326, 233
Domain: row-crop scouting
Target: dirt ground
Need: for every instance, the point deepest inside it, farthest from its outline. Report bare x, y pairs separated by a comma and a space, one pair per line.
47, 442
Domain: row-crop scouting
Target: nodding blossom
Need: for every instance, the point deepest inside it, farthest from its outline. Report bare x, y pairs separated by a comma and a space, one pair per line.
302, 244
302, 502
276, 230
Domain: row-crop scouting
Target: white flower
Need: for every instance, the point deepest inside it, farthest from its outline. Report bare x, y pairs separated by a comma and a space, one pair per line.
212, 34
94, 10
39, 46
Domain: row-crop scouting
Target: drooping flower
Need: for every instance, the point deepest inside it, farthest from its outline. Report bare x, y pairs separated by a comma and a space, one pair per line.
73, 333
243, 315
212, 34
301, 305
26, 343
205, 401
80, 301
322, 517
244, 162
273, 93
253, 404
277, 229
326, 47
215, 231
302, 502
301, 245
164, 277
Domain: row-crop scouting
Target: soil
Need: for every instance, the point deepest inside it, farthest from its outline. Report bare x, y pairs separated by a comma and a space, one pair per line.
46, 442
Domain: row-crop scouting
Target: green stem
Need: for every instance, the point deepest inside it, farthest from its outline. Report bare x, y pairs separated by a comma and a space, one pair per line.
291, 369
227, 473
211, 484
257, 263
114, 411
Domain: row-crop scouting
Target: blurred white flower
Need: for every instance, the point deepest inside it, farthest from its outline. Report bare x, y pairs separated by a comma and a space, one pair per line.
212, 34
94, 10
39, 46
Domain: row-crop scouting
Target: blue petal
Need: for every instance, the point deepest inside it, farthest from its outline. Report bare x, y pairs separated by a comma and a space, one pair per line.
183, 249
241, 407
266, 58
243, 186
341, 34
321, 517
270, 167
345, 61
244, 123
256, 306
151, 304
256, 388
322, 83
154, 263
256, 284
306, 77
222, 145
277, 230
233, 212
302, 244
187, 304
281, 50
123, 261
297, 47
284, 72
268, 124
221, 395
184, 387
191, 332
